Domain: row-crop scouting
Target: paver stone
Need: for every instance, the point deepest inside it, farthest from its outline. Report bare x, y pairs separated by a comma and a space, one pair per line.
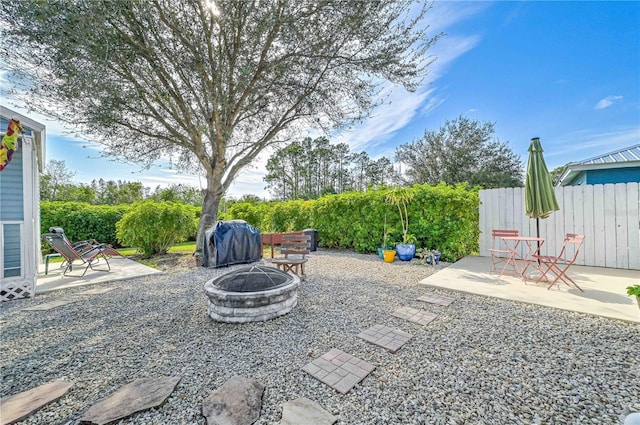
304, 411
141, 394
339, 370
21, 405
437, 299
48, 306
385, 337
236, 402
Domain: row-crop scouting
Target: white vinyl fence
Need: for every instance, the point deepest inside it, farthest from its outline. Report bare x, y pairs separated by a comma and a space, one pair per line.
608, 215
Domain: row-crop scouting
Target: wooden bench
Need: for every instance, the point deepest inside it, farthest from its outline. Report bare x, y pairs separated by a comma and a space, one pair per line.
295, 248
273, 239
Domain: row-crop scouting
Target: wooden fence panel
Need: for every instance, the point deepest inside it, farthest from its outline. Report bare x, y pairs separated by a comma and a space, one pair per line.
608, 215
633, 214
588, 246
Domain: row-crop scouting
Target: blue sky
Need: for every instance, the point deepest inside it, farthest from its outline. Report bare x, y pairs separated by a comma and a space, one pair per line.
567, 72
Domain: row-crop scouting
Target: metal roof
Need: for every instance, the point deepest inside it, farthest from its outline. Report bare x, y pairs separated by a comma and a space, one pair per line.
631, 153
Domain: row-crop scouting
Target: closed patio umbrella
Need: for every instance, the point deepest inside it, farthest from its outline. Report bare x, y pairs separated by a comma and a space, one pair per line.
539, 198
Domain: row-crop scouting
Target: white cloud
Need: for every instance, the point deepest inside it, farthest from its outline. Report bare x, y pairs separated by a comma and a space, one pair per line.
582, 144
607, 101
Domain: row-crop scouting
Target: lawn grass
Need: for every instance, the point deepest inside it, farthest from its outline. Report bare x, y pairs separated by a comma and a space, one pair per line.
184, 247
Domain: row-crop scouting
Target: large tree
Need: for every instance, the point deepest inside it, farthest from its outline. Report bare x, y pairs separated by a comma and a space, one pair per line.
209, 82
462, 150
55, 177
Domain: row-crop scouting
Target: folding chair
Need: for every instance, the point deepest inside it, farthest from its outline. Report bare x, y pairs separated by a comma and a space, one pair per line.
88, 256
79, 246
498, 253
558, 265
295, 248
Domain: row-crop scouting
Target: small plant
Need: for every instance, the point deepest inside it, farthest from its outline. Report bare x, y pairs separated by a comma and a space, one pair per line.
428, 256
410, 238
401, 197
633, 290
385, 233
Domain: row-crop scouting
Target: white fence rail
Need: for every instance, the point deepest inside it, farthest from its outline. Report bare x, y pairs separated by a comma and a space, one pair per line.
608, 215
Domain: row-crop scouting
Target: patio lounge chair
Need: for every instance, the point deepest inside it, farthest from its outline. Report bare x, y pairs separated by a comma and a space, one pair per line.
558, 265
79, 246
85, 255
295, 248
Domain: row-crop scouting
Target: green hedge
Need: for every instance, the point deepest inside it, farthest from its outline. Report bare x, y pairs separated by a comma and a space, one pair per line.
82, 221
441, 217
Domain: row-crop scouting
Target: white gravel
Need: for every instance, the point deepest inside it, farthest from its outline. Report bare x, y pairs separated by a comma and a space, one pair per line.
482, 361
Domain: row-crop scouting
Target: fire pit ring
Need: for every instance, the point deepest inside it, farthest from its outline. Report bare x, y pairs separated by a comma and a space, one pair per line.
251, 294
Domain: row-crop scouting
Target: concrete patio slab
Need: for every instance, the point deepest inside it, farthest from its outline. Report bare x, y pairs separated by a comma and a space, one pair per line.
604, 288
121, 268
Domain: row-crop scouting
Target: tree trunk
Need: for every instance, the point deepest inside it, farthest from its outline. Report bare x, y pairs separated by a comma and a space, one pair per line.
212, 197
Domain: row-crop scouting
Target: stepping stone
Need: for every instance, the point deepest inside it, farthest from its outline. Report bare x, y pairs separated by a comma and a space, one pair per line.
48, 306
339, 370
304, 411
437, 299
19, 406
385, 337
97, 291
141, 394
414, 315
237, 402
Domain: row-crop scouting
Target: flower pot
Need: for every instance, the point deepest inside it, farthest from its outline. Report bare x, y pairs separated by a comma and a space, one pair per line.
389, 255
406, 252
433, 258
382, 248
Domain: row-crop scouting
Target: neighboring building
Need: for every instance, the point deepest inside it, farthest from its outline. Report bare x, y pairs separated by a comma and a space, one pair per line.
621, 166
20, 209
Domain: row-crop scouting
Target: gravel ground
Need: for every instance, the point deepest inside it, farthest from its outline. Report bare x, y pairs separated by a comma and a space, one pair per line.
482, 361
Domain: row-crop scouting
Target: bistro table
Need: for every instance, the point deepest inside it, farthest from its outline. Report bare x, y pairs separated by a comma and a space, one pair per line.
524, 255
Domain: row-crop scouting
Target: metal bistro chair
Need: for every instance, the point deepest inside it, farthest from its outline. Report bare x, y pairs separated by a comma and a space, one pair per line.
295, 248
90, 256
558, 265
500, 252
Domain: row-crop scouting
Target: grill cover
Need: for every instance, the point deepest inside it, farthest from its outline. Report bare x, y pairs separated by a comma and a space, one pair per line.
231, 242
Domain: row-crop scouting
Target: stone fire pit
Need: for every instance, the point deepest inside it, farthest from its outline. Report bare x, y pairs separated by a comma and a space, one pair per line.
251, 294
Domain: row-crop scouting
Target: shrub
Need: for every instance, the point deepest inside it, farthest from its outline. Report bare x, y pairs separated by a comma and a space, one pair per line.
154, 227
82, 221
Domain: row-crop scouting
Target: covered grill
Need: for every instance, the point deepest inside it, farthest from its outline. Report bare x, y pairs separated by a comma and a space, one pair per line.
231, 242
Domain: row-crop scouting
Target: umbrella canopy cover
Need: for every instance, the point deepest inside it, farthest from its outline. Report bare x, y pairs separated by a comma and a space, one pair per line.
539, 198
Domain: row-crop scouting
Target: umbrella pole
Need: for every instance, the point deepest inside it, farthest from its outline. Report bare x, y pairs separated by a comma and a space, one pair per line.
538, 236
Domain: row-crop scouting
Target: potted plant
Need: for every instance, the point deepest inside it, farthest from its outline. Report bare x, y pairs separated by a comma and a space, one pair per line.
401, 197
634, 290
389, 255
428, 256
385, 235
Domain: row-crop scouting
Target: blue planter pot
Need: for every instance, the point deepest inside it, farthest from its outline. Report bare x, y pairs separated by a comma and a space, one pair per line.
406, 252
382, 249
433, 259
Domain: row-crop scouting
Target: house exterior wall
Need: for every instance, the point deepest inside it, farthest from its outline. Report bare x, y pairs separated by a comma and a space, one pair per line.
613, 175
580, 179
19, 217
